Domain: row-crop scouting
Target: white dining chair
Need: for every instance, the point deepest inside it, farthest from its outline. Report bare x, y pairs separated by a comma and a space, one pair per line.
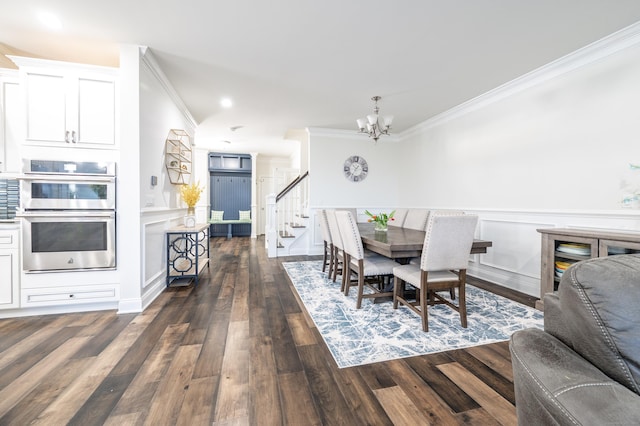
327, 253
370, 269
416, 219
443, 266
338, 250
398, 218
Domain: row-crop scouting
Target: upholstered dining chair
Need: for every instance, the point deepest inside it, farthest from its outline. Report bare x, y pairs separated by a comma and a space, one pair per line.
443, 266
327, 254
336, 240
398, 218
416, 219
366, 267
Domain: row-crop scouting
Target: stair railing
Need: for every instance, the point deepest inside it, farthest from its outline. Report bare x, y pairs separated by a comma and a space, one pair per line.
285, 211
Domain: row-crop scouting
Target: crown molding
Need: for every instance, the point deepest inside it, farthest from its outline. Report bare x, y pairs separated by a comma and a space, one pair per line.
625, 38
25, 61
349, 134
152, 65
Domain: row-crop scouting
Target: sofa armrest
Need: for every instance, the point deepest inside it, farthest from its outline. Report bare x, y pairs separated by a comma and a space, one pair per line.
553, 323
554, 385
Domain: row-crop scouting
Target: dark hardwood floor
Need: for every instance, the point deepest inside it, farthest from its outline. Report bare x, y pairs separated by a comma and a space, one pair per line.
236, 350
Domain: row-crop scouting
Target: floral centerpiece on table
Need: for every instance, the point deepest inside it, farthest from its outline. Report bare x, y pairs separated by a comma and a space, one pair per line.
190, 194
380, 219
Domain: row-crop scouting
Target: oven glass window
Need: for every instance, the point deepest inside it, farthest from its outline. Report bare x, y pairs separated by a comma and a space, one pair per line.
68, 191
47, 237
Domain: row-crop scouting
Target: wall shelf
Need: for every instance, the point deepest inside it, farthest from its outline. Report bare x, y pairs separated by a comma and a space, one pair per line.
178, 156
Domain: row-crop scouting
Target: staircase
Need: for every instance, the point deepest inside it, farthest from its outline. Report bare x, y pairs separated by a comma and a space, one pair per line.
287, 219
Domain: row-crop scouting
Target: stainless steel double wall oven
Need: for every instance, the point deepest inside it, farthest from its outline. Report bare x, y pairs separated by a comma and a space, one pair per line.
68, 211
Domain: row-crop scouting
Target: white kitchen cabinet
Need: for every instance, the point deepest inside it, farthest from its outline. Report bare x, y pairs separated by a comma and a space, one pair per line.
68, 104
10, 121
9, 268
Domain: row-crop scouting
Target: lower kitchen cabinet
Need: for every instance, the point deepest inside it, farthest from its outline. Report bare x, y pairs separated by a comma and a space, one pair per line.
9, 269
33, 297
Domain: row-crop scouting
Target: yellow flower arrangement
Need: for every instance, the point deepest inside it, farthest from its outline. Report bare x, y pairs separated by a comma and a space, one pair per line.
191, 193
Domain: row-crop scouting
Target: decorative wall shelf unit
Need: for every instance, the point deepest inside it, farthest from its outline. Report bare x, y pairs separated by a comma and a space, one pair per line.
178, 156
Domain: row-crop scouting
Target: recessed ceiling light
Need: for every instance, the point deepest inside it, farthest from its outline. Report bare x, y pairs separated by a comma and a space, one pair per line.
50, 20
226, 103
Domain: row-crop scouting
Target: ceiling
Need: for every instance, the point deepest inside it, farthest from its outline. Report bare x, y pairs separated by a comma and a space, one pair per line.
292, 64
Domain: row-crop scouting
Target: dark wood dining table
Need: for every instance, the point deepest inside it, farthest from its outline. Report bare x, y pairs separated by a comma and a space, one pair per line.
402, 243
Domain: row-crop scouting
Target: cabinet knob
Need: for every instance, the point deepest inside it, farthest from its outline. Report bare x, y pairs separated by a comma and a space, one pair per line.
66, 136
73, 137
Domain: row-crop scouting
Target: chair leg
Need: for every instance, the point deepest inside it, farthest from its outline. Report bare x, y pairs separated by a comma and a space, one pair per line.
324, 258
335, 265
360, 284
398, 288
331, 260
346, 274
462, 299
423, 309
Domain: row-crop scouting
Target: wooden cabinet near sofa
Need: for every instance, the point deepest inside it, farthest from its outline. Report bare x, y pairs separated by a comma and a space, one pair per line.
68, 104
600, 243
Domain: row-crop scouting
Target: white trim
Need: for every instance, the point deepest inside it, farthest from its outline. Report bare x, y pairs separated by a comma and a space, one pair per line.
613, 43
152, 65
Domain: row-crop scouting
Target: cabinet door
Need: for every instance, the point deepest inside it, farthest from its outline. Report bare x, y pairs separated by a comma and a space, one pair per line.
46, 107
70, 108
9, 279
96, 112
12, 126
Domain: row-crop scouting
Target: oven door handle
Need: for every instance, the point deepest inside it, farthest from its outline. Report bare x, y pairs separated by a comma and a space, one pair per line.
67, 178
70, 213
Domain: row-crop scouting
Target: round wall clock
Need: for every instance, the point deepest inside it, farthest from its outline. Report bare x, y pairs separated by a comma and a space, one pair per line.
355, 168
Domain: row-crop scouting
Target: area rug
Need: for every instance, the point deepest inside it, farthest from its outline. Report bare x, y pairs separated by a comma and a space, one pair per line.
377, 332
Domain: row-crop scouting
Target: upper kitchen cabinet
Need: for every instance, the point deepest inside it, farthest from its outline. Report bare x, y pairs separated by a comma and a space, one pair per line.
10, 121
68, 104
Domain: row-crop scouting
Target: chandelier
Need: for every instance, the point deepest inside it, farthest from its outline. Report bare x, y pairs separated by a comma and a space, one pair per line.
372, 125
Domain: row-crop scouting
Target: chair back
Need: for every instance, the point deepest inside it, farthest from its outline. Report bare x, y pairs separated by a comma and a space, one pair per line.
324, 226
448, 241
398, 218
416, 219
336, 239
350, 234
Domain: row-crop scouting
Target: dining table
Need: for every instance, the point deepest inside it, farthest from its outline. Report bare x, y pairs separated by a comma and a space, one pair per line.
403, 243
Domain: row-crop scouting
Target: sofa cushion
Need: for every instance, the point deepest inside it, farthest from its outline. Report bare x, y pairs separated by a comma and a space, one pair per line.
245, 214
600, 305
217, 215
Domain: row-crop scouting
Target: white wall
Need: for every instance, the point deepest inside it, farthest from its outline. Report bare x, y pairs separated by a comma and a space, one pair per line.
158, 115
564, 144
328, 185
552, 149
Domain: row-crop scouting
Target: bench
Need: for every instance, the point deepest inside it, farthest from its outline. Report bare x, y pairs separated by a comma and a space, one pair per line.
217, 219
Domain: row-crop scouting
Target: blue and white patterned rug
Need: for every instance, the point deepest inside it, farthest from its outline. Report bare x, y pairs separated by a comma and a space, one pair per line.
377, 332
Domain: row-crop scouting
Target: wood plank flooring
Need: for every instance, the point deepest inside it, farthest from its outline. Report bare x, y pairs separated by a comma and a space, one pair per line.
236, 350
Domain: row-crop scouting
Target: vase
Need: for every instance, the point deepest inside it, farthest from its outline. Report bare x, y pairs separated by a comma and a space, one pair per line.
190, 218
382, 227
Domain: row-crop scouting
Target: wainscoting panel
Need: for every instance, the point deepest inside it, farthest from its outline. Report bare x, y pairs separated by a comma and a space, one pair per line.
516, 246
154, 250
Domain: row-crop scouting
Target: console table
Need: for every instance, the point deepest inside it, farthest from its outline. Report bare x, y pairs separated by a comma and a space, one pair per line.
187, 252
601, 243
